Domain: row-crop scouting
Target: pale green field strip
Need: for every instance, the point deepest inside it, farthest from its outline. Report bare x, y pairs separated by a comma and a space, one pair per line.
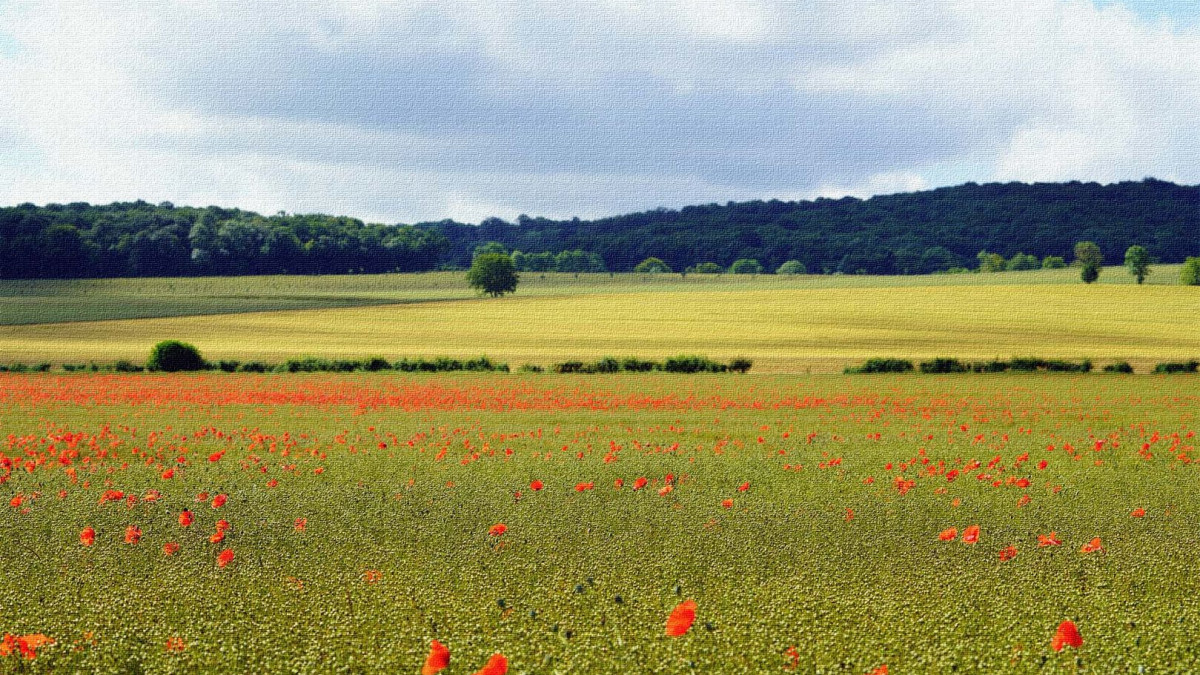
783, 330
59, 301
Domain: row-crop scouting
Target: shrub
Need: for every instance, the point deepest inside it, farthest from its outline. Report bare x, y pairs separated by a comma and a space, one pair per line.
123, 366
1190, 274
1053, 262
530, 368
993, 366
633, 365
569, 367
375, 364
173, 356
944, 365
652, 266
74, 367
1118, 367
1172, 367
605, 365
1022, 262
254, 367
707, 268
878, 365
740, 365
746, 266
228, 366
792, 267
687, 363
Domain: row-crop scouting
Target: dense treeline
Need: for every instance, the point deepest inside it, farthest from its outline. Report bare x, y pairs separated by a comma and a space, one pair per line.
141, 239
910, 233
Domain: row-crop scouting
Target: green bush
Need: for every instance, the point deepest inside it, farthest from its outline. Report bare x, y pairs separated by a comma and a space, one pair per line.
993, 366
228, 366
171, 356
530, 368
634, 365
740, 365
944, 365
569, 367
792, 267
878, 365
122, 366
1173, 367
1053, 262
688, 363
1190, 274
746, 266
1119, 367
255, 367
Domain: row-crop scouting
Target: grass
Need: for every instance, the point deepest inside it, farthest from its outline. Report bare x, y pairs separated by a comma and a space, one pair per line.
783, 325
59, 301
823, 564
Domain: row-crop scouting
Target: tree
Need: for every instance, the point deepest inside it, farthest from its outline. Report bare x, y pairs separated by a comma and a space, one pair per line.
1137, 259
1089, 258
1190, 274
652, 266
746, 266
792, 267
173, 356
489, 247
493, 273
1053, 262
1022, 262
991, 262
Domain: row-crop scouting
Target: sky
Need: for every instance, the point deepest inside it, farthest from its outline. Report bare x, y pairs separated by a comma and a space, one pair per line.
418, 110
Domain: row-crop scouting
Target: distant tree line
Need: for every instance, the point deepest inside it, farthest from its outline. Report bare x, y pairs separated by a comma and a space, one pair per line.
1016, 225
912, 233
139, 239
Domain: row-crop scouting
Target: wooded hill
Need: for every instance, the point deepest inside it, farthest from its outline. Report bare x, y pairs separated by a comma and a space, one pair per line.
909, 233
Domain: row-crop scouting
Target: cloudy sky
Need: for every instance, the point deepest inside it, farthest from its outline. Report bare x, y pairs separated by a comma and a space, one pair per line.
411, 110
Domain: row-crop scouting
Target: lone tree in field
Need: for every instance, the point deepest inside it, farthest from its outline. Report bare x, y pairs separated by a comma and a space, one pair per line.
1088, 255
1137, 259
494, 274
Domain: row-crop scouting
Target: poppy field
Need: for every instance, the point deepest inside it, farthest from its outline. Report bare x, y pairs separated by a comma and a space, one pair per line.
484, 523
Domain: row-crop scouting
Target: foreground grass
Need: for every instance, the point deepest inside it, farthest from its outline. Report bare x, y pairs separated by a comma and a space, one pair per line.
822, 563
781, 329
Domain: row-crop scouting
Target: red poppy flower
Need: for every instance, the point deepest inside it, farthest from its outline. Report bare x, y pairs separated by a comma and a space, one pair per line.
681, 618
222, 525
497, 530
16, 502
1066, 635
881, 670
170, 548
1092, 546
168, 474
217, 537
1051, 539
186, 518
1138, 513
88, 536
639, 483
971, 535
948, 534
1008, 553
219, 501
497, 665
744, 486
224, 558
727, 503
535, 486
301, 524
133, 534
438, 659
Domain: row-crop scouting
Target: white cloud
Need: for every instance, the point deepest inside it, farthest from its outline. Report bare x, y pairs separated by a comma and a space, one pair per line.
404, 110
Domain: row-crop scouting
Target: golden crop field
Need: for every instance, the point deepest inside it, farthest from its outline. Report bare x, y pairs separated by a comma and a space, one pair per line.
816, 324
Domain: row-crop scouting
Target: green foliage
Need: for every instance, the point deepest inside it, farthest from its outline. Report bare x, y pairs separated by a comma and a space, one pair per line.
881, 365
792, 267
746, 266
1089, 273
494, 274
652, 266
944, 365
489, 247
1174, 367
173, 356
706, 268
1137, 260
1053, 262
1190, 274
1023, 262
688, 363
1122, 367
991, 262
